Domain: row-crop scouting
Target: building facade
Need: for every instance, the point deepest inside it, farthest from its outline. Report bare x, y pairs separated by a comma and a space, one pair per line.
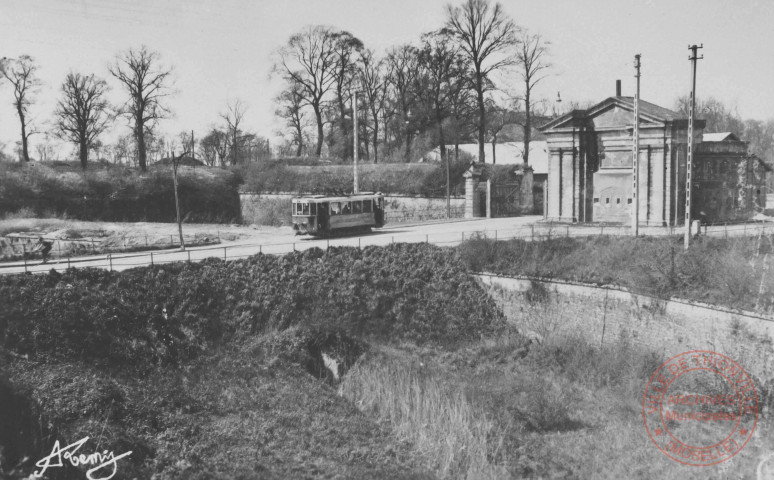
590, 157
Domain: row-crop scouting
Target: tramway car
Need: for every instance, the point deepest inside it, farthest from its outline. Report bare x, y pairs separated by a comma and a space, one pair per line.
327, 215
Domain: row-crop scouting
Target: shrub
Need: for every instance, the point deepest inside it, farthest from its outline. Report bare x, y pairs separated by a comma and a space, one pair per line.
166, 314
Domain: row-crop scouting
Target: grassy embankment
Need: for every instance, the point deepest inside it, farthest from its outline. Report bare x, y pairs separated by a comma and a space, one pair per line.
228, 386
440, 385
117, 193
735, 272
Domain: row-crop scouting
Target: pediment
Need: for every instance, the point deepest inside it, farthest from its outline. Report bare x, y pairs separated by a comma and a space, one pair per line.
619, 116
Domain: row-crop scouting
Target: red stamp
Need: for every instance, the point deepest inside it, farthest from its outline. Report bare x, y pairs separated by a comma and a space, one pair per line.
700, 408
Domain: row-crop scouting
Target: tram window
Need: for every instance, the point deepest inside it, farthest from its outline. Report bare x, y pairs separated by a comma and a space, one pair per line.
357, 207
297, 209
314, 209
367, 206
346, 208
335, 208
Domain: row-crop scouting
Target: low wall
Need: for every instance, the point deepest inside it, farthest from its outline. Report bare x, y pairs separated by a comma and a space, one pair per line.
666, 326
398, 208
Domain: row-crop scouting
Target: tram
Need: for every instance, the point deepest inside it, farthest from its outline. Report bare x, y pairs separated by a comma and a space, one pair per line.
324, 215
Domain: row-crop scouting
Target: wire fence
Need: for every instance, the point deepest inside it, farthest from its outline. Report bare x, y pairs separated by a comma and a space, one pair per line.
27, 246
381, 238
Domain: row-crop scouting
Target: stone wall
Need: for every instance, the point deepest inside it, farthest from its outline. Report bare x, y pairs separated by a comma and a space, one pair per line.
605, 315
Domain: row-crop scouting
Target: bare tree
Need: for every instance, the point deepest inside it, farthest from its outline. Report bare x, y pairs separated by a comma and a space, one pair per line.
346, 47
485, 34
215, 147
233, 116
82, 112
403, 65
373, 81
290, 105
530, 55
442, 76
309, 60
147, 83
21, 73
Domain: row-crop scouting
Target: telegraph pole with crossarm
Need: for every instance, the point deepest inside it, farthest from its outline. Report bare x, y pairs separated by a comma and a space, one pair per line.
689, 162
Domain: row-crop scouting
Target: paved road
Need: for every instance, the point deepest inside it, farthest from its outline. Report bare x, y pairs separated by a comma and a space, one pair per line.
444, 234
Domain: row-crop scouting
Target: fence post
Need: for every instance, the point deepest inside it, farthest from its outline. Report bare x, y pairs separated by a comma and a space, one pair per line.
171, 241
294, 246
189, 256
25, 263
218, 236
93, 250
327, 243
358, 243
568, 231
110, 259
532, 227
68, 262
260, 248
59, 247
151, 258
427, 240
224, 253
495, 235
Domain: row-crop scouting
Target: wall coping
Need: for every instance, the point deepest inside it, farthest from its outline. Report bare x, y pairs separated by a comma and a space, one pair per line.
682, 301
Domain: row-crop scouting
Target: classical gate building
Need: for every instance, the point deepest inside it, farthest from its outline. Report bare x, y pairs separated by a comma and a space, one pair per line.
590, 168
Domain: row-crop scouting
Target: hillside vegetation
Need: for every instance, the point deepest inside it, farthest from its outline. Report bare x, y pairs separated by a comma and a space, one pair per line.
213, 368
734, 272
116, 193
394, 178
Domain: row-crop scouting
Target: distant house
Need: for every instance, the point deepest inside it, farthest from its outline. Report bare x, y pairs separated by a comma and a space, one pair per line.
590, 168
505, 153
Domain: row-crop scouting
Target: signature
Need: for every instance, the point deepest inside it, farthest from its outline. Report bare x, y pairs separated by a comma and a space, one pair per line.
101, 460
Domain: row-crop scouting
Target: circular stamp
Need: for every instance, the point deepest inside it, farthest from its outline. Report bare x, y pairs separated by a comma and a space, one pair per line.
700, 408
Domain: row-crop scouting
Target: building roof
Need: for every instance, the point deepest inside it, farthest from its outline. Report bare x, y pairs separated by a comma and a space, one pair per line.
649, 112
719, 137
506, 153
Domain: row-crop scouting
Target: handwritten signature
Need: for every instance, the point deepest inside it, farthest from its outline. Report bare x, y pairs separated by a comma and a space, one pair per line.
101, 460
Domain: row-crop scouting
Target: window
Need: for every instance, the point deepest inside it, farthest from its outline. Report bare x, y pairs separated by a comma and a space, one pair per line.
335, 208
367, 204
607, 201
314, 209
346, 208
629, 201
617, 201
596, 199
305, 210
297, 209
357, 207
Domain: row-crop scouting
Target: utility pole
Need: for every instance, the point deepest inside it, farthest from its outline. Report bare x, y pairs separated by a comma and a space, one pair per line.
175, 163
689, 161
354, 152
636, 154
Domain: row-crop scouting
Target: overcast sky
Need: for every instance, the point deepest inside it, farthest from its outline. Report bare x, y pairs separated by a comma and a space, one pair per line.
222, 49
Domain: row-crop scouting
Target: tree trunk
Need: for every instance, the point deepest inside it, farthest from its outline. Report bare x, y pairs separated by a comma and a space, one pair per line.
494, 144
318, 117
527, 126
25, 152
441, 139
84, 152
376, 140
141, 153
481, 116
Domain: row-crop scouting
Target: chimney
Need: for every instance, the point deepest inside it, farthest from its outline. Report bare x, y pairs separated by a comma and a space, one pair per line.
617, 88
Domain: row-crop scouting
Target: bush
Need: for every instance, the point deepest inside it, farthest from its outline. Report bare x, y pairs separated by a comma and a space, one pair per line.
120, 194
714, 270
166, 314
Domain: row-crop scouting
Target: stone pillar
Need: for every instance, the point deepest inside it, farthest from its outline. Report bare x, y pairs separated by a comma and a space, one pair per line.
526, 195
658, 192
488, 198
472, 177
568, 187
554, 186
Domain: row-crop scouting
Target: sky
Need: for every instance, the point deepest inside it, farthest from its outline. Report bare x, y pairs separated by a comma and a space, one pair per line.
223, 50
